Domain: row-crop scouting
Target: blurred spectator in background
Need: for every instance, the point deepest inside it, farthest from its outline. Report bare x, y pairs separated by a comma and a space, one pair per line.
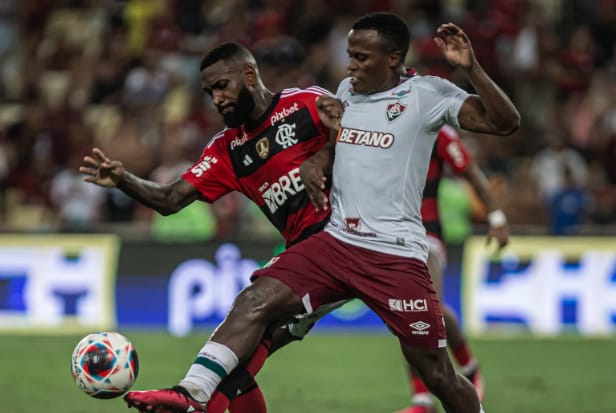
126, 71
552, 163
281, 62
569, 205
79, 206
195, 222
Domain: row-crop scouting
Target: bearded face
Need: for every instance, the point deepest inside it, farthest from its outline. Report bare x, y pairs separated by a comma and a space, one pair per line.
238, 113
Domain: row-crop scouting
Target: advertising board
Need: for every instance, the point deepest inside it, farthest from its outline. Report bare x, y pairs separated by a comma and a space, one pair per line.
542, 285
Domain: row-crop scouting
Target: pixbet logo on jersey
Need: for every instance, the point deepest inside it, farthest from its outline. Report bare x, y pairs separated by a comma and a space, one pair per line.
276, 194
238, 141
374, 139
283, 113
205, 164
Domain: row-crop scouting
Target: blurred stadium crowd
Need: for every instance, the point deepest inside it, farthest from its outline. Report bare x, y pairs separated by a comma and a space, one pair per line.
123, 75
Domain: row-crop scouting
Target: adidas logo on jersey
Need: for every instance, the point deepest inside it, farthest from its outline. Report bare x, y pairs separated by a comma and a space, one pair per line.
276, 194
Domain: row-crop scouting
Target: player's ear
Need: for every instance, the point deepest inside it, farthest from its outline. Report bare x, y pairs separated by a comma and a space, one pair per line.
250, 75
395, 59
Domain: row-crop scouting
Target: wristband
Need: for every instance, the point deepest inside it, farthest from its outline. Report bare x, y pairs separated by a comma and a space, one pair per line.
497, 218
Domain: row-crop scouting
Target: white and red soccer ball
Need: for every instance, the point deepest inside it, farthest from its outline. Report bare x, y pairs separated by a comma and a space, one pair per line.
104, 364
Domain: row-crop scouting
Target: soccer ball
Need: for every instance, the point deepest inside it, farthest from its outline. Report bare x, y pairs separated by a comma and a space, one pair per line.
104, 364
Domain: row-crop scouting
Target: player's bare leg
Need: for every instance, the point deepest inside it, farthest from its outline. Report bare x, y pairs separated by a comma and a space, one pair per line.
434, 367
239, 391
267, 301
468, 365
421, 400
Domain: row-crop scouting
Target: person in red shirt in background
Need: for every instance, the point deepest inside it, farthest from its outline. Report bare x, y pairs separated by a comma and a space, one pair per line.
450, 152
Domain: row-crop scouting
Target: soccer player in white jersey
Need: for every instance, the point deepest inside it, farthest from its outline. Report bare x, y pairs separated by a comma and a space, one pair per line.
374, 247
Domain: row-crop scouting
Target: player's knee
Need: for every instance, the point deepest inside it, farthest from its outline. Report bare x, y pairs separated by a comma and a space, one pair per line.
440, 382
253, 303
265, 302
436, 379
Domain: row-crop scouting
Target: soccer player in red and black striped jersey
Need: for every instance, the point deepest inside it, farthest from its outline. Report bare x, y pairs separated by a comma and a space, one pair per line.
449, 152
268, 136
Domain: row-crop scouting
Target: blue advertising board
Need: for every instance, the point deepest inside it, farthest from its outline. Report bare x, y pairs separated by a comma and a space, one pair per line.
80, 283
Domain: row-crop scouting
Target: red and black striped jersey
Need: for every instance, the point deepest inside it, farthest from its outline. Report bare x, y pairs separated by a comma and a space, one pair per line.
448, 150
262, 162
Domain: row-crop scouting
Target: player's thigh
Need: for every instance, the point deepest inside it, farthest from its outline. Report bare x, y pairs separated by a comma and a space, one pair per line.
399, 290
265, 301
311, 269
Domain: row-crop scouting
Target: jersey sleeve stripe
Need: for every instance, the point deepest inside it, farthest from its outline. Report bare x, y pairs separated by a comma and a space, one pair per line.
313, 90
215, 138
290, 91
320, 90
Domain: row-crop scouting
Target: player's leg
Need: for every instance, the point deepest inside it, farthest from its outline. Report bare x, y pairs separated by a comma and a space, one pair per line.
242, 395
468, 365
456, 341
239, 392
400, 291
421, 399
295, 283
263, 303
435, 368
239, 389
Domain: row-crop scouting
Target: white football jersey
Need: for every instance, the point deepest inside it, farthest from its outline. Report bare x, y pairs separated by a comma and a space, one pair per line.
381, 161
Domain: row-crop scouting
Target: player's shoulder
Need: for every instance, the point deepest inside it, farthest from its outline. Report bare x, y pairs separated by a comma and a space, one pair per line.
222, 138
345, 89
431, 83
295, 98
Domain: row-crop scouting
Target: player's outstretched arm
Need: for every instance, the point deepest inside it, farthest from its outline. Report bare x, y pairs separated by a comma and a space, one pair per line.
499, 230
164, 198
491, 110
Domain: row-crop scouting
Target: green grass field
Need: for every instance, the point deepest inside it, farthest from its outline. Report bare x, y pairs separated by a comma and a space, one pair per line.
327, 374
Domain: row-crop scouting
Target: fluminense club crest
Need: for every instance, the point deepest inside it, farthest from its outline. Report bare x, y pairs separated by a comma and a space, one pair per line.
394, 110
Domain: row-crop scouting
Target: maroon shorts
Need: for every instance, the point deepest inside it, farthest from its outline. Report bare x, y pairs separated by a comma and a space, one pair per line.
399, 290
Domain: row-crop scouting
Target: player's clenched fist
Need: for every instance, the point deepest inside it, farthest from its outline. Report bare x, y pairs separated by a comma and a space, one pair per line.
330, 111
100, 170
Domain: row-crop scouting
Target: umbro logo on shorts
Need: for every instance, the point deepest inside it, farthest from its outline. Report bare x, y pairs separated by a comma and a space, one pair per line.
419, 328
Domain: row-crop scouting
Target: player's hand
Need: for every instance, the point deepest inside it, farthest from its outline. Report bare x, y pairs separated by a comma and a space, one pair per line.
330, 111
100, 170
455, 45
500, 234
314, 181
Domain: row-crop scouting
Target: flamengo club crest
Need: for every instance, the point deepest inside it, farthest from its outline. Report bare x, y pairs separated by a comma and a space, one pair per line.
394, 110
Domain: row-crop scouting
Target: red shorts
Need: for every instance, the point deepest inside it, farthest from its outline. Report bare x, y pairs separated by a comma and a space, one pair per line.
399, 290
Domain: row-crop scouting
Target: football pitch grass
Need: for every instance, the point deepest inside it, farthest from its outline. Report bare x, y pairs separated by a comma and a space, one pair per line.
327, 373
